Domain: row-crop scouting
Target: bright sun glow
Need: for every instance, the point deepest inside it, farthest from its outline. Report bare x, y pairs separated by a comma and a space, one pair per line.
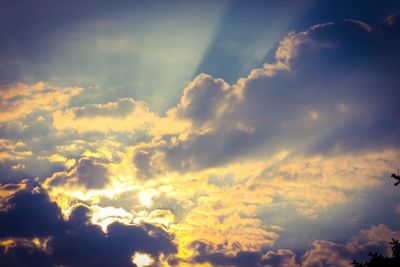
145, 197
108, 215
142, 260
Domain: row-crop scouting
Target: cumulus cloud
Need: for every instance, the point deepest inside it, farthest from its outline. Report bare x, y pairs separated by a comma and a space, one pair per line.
27, 213
329, 91
202, 98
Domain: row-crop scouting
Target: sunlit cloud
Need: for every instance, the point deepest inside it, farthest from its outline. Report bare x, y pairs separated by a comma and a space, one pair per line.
20, 99
126, 154
122, 116
145, 197
142, 260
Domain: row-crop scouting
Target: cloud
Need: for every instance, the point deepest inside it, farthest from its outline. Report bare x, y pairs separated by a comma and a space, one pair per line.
24, 253
28, 213
314, 99
124, 115
92, 175
205, 255
374, 239
13, 150
20, 99
144, 163
201, 99
279, 258
321, 253
117, 109
89, 172
226, 168
329, 91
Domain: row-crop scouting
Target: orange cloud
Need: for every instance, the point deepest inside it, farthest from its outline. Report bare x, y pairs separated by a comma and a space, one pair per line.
123, 115
21, 99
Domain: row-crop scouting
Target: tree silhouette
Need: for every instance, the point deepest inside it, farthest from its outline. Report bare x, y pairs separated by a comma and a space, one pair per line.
378, 260
396, 177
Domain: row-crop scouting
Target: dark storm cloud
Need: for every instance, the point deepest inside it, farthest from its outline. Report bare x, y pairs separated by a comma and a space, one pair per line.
77, 247
29, 213
24, 255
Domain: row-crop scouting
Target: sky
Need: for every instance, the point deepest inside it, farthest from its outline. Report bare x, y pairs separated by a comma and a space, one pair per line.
198, 133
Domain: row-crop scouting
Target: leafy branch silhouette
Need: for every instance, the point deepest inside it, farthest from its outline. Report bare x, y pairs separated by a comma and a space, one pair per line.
378, 260
396, 177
